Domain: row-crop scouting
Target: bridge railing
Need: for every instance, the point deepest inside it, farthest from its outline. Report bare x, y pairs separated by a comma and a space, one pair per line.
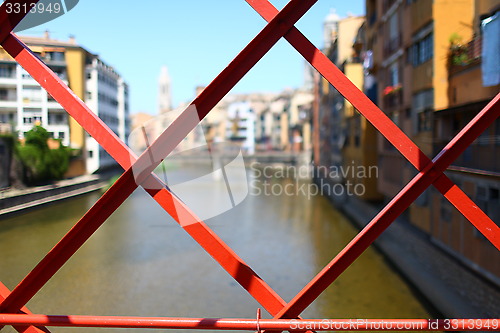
139, 173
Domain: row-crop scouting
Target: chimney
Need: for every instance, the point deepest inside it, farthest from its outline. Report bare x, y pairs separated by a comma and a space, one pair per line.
46, 35
72, 39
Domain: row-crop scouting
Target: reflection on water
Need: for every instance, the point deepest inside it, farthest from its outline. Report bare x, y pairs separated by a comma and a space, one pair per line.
141, 263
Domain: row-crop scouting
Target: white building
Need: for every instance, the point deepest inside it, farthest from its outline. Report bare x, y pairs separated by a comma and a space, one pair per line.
241, 125
107, 96
23, 102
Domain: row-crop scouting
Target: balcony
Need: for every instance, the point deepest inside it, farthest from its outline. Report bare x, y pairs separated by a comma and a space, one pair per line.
8, 96
393, 98
464, 56
393, 45
481, 157
55, 119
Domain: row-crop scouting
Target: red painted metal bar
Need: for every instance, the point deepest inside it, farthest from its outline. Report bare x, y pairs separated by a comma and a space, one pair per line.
383, 124
397, 205
10, 17
292, 325
125, 184
4, 291
428, 170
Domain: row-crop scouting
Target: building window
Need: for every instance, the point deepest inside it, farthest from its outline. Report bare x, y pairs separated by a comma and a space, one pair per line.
57, 56
7, 71
8, 118
57, 119
394, 74
32, 94
394, 26
422, 50
423, 104
3, 94
424, 121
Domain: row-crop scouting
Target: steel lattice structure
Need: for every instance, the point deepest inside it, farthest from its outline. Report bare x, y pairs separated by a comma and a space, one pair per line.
280, 25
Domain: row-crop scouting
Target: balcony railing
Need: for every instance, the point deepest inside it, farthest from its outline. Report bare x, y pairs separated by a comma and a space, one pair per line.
393, 99
8, 98
482, 155
465, 56
393, 45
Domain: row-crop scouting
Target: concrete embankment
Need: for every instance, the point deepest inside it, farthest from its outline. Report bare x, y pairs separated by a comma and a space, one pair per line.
16, 200
453, 289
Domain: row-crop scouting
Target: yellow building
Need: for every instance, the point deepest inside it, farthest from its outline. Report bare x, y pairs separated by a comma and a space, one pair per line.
339, 36
477, 170
360, 147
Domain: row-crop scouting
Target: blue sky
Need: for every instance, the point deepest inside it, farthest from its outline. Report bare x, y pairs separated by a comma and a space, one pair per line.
196, 39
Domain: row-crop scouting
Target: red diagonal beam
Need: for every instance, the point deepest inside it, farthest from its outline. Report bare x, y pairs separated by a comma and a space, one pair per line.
397, 205
125, 184
4, 291
9, 19
383, 124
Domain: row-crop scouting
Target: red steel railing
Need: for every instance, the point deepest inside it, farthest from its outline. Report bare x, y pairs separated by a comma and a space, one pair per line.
139, 173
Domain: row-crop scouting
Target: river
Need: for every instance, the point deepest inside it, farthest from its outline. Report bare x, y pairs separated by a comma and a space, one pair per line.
141, 263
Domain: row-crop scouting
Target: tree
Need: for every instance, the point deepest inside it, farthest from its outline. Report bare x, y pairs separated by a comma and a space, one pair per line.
41, 163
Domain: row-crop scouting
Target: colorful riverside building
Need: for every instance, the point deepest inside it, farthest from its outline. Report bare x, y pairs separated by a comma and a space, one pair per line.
23, 103
473, 80
347, 140
430, 66
427, 64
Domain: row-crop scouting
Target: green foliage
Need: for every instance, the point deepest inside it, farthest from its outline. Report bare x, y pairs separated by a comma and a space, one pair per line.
38, 137
59, 161
458, 54
41, 163
455, 39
